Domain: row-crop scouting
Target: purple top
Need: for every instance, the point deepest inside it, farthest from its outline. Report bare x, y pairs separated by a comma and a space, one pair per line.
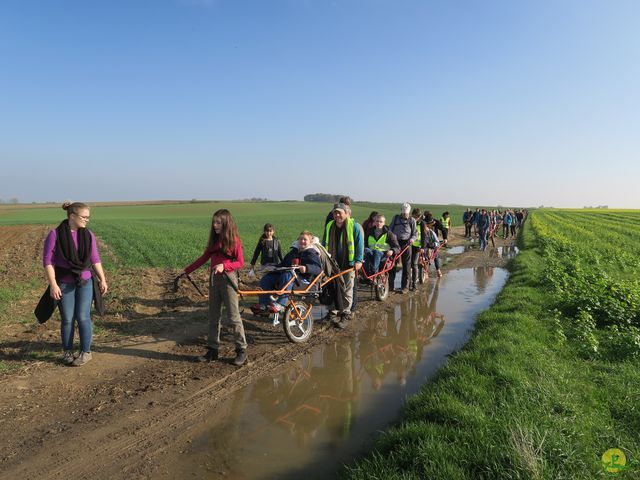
52, 257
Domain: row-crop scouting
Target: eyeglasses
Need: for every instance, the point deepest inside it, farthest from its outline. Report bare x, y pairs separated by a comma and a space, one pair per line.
86, 218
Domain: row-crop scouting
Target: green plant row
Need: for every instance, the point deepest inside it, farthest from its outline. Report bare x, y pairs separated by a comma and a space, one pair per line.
600, 304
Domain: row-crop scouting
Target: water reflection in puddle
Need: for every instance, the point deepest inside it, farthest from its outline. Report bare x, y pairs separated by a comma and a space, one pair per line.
505, 251
311, 417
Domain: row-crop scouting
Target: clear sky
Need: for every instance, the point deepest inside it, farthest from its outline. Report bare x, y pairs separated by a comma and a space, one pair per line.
472, 102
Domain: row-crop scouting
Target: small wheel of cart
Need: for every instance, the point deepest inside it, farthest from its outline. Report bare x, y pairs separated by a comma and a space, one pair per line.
381, 287
423, 275
298, 321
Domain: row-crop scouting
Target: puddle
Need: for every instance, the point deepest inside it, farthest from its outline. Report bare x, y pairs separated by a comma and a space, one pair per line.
313, 416
506, 251
458, 250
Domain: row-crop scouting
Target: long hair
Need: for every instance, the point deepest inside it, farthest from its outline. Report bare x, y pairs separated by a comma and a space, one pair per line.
228, 231
74, 207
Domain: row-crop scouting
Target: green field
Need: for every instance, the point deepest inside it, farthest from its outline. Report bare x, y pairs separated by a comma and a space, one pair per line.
172, 235
550, 380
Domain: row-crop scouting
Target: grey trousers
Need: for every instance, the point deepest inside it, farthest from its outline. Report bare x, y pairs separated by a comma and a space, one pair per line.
222, 293
347, 293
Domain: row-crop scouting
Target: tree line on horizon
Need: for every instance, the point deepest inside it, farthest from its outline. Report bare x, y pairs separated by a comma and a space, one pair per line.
322, 197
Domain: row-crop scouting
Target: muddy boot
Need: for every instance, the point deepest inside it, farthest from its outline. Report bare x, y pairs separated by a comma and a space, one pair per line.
68, 358
241, 358
344, 321
210, 356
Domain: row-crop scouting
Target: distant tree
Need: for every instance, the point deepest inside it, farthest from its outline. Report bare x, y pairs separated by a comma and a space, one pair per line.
322, 197
14, 201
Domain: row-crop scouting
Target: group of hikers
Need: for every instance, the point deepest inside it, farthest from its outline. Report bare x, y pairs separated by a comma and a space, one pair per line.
74, 271
486, 224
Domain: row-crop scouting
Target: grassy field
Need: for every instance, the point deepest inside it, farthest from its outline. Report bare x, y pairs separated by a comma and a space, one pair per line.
172, 235
551, 378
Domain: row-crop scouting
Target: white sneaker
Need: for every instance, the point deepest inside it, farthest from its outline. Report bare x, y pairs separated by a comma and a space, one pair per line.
82, 359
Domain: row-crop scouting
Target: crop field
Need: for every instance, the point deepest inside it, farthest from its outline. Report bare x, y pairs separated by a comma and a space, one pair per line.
172, 235
592, 269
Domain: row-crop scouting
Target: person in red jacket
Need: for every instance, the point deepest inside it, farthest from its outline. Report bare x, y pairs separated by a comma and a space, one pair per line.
225, 251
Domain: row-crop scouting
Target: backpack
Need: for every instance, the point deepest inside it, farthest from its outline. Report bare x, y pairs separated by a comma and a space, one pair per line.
329, 268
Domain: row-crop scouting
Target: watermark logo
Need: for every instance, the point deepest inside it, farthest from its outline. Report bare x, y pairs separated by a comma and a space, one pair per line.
614, 460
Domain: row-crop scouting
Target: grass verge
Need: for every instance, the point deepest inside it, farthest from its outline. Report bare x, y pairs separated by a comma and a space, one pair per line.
517, 402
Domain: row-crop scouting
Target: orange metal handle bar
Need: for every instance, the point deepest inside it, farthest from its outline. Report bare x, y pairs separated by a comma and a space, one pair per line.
343, 272
283, 290
394, 260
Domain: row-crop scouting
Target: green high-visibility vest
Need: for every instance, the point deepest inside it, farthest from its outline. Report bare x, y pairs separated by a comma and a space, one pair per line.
417, 241
412, 347
379, 245
350, 240
446, 222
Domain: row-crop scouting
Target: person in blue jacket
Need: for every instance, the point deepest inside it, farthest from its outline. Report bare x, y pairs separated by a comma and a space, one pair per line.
305, 255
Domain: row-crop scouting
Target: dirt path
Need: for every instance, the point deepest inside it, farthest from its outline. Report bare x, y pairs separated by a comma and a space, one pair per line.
128, 412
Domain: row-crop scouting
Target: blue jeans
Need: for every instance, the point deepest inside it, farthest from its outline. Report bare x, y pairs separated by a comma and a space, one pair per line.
372, 259
275, 281
75, 305
483, 239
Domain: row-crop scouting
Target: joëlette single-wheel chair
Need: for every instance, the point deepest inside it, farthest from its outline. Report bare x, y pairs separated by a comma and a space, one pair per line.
379, 281
426, 259
297, 317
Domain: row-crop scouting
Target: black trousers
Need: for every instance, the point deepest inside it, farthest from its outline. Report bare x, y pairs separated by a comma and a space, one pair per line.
406, 266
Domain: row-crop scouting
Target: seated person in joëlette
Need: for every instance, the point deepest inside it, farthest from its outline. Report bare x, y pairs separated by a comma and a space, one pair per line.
379, 242
306, 257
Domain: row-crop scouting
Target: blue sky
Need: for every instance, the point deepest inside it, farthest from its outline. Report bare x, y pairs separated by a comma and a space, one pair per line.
474, 102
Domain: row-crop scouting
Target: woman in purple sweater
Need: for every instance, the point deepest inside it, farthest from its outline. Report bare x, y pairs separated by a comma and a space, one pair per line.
70, 255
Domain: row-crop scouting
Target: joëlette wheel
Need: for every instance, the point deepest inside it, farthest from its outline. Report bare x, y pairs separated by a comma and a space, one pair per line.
422, 274
298, 322
381, 287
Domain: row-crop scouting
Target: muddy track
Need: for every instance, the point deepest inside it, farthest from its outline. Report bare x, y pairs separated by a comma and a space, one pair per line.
137, 405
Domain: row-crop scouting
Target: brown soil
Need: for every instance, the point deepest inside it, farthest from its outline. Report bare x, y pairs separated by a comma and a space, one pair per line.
126, 413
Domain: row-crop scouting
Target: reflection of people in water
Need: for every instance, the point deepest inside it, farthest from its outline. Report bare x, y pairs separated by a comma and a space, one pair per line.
480, 275
339, 389
227, 435
306, 398
429, 323
370, 359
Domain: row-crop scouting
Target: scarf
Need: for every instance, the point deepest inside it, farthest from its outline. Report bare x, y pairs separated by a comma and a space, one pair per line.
80, 258
338, 244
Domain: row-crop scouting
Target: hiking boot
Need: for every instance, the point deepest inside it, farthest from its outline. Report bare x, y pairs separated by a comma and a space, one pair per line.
210, 356
412, 287
241, 358
330, 317
83, 358
67, 358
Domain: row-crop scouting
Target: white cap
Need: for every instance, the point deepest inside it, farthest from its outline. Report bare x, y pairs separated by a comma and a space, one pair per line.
406, 208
